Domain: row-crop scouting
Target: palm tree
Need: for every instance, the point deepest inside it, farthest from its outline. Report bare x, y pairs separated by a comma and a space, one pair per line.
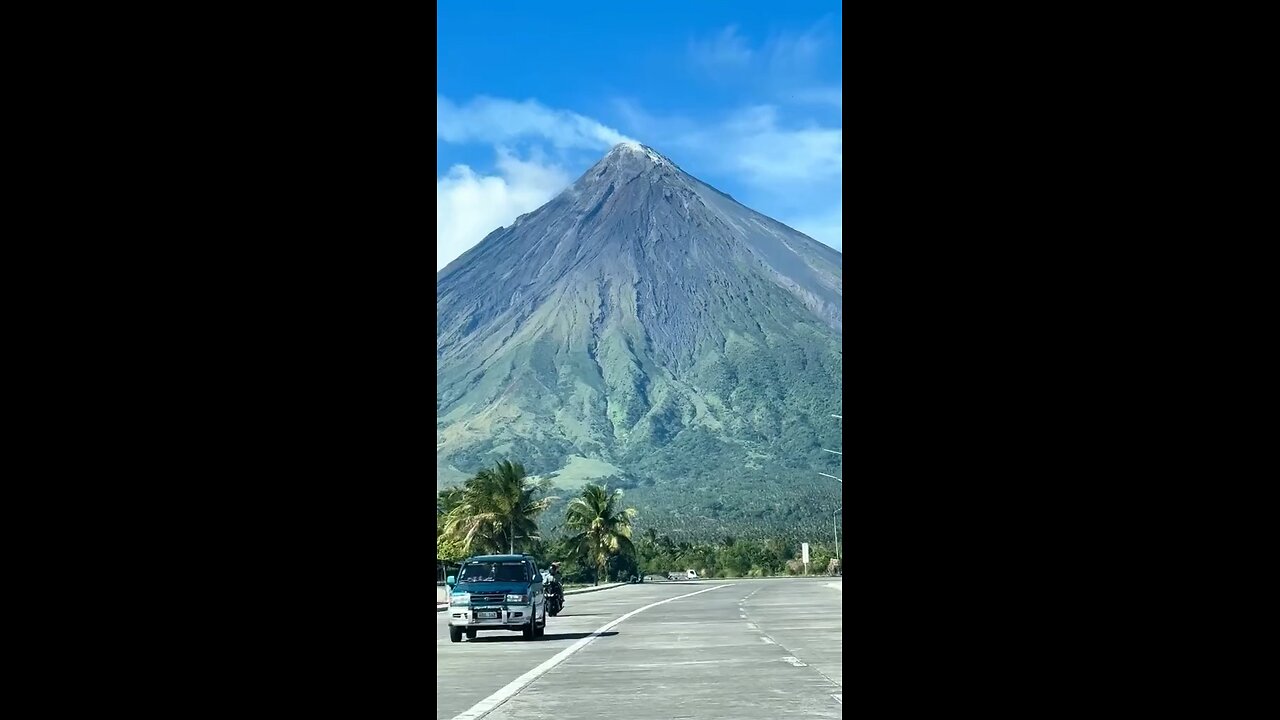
649, 541
447, 550
446, 500
603, 528
497, 508
648, 549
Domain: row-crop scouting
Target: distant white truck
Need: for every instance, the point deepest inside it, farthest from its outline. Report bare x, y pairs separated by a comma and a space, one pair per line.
686, 575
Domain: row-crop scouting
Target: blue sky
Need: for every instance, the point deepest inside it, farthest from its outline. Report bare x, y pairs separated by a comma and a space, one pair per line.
745, 96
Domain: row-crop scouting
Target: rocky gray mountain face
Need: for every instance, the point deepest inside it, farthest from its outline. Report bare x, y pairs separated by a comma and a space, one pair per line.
646, 329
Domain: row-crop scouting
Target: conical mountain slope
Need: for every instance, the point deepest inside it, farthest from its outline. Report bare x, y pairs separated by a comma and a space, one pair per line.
646, 328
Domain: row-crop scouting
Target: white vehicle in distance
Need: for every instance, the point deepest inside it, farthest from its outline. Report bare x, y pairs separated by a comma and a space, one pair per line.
686, 575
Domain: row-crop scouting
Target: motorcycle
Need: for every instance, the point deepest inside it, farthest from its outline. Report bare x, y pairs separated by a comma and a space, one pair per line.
555, 597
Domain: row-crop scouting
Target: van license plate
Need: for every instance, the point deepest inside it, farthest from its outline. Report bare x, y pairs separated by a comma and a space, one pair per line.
486, 615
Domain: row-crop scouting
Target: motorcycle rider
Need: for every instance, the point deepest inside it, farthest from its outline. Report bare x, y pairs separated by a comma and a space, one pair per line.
553, 582
553, 575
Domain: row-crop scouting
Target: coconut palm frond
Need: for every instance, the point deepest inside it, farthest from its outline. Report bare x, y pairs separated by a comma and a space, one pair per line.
497, 507
602, 528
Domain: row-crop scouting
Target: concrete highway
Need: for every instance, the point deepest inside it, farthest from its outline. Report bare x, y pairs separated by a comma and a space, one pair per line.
735, 650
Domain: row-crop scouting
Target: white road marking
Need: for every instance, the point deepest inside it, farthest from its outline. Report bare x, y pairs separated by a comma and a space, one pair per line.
837, 697
744, 617
795, 662
487, 705
770, 640
752, 626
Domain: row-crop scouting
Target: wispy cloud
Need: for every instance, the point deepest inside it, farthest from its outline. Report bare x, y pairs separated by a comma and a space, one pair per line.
785, 143
781, 60
790, 170
494, 120
469, 205
725, 50
753, 143
770, 154
794, 53
794, 167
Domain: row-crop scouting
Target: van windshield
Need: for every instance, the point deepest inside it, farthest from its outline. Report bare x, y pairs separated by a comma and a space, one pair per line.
494, 572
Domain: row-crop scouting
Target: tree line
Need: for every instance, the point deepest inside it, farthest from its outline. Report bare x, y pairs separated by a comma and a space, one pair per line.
497, 511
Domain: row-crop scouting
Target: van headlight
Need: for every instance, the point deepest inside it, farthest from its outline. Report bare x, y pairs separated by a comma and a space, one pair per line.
518, 599
460, 599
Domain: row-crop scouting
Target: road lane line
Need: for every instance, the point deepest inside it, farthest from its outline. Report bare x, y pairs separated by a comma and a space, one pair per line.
491, 703
771, 641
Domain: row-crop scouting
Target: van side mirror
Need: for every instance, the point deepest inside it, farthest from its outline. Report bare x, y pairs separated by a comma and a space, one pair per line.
451, 581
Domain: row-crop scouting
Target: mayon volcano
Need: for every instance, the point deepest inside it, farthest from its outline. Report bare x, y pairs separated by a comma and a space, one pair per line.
646, 330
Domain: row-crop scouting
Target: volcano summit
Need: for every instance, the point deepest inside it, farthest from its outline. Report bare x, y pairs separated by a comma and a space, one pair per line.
646, 329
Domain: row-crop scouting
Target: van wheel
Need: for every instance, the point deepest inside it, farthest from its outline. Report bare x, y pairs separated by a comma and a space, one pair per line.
528, 630
455, 634
471, 634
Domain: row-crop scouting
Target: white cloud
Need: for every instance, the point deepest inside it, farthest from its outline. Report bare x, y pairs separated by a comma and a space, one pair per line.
796, 53
785, 60
793, 169
725, 50
753, 143
788, 170
771, 155
469, 206
496, 121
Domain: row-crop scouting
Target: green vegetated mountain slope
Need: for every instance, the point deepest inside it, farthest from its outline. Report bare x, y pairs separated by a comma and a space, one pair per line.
646, 329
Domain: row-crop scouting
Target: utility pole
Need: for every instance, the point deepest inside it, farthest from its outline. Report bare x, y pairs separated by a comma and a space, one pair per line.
835, 452
835, 538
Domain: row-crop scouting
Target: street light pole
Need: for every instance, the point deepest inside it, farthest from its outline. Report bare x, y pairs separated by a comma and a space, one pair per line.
833, 452
835, 538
